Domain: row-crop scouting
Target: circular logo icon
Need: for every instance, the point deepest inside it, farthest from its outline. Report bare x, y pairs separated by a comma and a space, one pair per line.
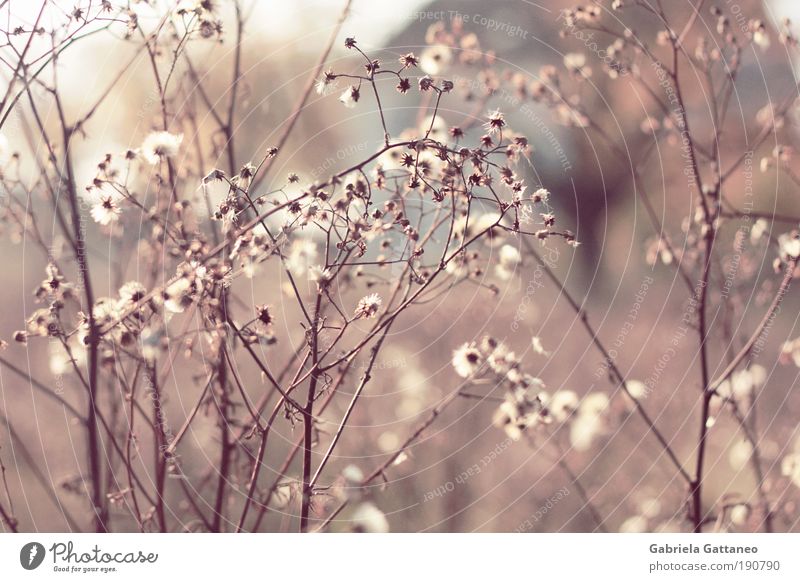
31, 555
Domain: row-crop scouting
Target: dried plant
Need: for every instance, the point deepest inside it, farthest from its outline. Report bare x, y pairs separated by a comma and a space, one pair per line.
340, 259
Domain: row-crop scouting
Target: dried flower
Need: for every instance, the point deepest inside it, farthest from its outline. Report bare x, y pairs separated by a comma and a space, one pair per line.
367, 518
326, 83
434, 59
161, 145
350, 97
496, 122
368, 306
409, 60
466, 360
106, 211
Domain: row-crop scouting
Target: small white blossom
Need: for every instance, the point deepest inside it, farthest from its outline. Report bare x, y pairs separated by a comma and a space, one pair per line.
760, 227
302, 256
176, 295
739, 514
541, 195
434, 59
739, 454
635, 524
106, 211
320, 275
791, 351
368, 306
367, 518
350, 97
538, 348
760, 35
790, 467
161, 145
563, 404
789, 245
466, 360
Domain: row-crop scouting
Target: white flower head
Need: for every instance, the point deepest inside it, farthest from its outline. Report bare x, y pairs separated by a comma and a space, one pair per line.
575, 63
177, 295
760, 35
739, 454
594, 404
488, 224
563, 404
789, 245
635, 524
106, 211
161, 145
131, 292
320, 275
326, 83
367, 518
350, 97
466, 360
541, 195
434, 59
760, 227
739, 514
583, 430
368, 306
790, 467
538, 348
302, 256
791, 351
509, 258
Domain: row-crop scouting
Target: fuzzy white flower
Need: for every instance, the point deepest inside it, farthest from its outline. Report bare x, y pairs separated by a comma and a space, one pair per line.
594, 404
176, 295
541, 195
350, 97
789, 245
563, 404
760, 227
106, 211
589, 421
3, 148
650, 507
368, 306
760, 35
635, 524
302, 256
488, 225
583, 431
161, 145
538, 348
742, 383
791, 351
576, 64
739, 454
466, 360
509, 258
508, 418
353, 476
60, 361
434, 59
320, 275
636, 389
130, 293
790, 467
739, 514
367, 518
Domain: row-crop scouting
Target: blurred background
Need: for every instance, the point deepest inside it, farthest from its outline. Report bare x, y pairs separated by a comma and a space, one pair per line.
624, 472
